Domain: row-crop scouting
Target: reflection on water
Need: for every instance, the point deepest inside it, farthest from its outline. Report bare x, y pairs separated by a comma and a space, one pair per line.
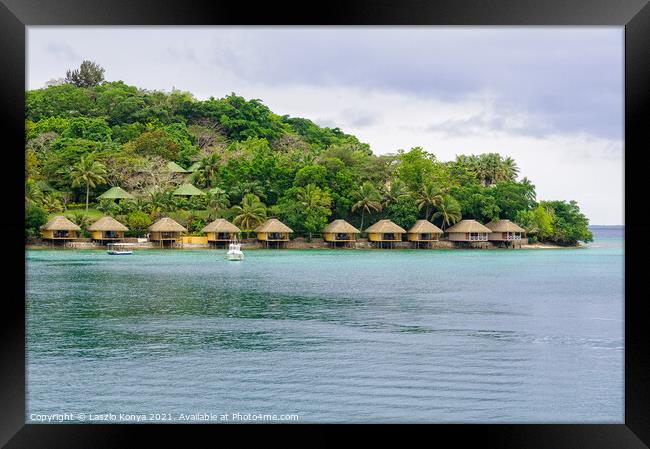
352, 336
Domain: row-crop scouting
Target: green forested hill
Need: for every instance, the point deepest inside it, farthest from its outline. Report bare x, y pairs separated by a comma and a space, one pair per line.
252, 164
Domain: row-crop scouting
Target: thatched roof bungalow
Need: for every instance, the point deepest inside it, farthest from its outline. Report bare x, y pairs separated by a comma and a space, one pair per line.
273, 230
221, 230
340, 231
107, 228
166, 231
468, 231
187, 190
116, 193
60, 228
385, 231
423, 231
505, 231
173, 167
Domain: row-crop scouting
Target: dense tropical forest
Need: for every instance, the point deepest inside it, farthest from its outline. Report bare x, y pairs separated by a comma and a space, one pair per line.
85, 135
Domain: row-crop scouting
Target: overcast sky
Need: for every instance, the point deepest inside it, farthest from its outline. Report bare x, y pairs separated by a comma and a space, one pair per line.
550, 97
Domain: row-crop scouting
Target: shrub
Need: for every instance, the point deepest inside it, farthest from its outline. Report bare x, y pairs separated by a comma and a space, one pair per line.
35, 217
137, 222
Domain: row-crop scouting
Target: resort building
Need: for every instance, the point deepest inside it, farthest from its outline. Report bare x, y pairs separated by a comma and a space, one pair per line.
116, 194
385, 232
187, 190
468, 231
506, 231
107, 229
273, 231
221, 231
173, 167
423, 233
60, 229
340, 233
166, 232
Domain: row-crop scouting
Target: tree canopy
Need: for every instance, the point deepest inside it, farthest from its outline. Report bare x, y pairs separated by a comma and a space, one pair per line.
87, 135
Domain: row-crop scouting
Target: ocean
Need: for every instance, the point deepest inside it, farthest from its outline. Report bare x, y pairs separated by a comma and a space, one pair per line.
363, 336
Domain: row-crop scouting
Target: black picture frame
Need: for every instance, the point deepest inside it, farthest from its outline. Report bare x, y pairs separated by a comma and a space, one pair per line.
634, 15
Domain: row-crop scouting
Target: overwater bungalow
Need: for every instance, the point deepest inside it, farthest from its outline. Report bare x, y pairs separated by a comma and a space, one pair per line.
221, 232
423, 233
166, 232
116, 194
59, 229
340, 233
506, 232
468, 231
273, 232
385, 233
107, 229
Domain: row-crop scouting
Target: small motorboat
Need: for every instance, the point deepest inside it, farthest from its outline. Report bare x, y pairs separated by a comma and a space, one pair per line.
234, 252
120, 249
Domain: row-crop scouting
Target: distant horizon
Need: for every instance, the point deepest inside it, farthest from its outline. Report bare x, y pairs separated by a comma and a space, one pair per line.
549, 97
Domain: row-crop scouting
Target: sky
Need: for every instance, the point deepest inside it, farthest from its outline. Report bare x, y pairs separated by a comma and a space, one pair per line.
550, 97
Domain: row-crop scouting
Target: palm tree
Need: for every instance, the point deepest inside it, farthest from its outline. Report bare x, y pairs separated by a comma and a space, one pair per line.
88, 172
368, 198
394, 191
510, 168
208, 172
448, 211
430, 196
251, 212
217, 201
81, 220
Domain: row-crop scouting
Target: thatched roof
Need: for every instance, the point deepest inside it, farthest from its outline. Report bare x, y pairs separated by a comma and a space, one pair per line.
273, 225
194, 167
60, 223
107, 224
166, 225
504, 226
424, 227
220, 225
468, 226
385, 227
341, 226
187, 190
173, 167
116, 193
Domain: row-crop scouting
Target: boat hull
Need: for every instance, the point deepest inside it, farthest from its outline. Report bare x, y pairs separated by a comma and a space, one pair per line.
235, 257
119, 253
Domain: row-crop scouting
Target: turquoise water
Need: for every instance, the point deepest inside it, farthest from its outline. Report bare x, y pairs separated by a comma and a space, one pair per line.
330, 336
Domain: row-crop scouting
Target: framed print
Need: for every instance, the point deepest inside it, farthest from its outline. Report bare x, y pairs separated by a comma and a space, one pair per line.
365, 213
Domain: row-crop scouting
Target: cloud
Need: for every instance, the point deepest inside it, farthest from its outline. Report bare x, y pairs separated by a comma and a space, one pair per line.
62, 51
552, 98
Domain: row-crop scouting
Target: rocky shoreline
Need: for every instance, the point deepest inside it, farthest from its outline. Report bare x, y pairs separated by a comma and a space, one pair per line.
297, 243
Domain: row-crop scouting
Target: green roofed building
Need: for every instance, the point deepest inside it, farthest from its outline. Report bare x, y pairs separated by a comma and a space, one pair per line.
194, 167
116, 193
173, 167
187, 190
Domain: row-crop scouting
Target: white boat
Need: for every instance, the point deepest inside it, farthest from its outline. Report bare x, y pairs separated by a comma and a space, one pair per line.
120, 249
234, 252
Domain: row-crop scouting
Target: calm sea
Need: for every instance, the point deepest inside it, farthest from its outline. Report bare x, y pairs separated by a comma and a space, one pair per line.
469, 336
